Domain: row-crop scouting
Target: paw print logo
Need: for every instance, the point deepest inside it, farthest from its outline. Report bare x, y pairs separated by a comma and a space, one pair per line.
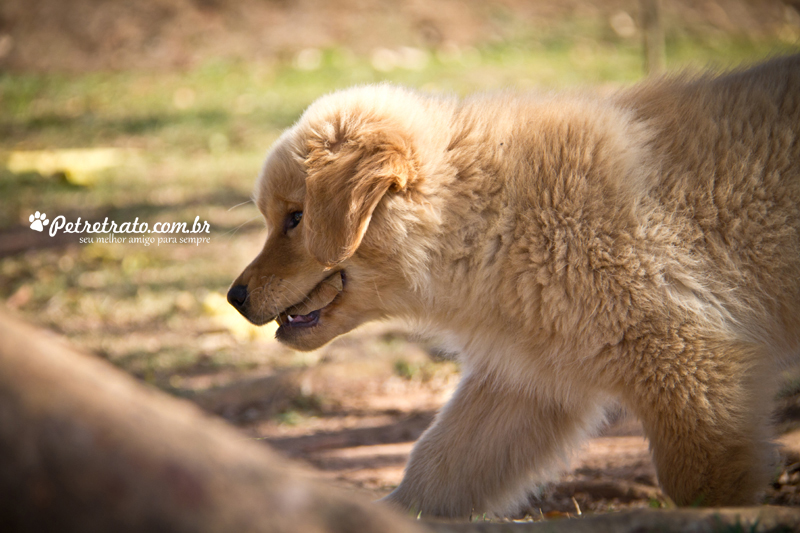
38, 221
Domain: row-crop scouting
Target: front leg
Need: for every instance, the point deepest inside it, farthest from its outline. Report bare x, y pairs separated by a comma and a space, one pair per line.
487, 446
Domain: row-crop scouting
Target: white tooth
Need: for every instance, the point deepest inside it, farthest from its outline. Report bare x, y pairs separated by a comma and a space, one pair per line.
290, 318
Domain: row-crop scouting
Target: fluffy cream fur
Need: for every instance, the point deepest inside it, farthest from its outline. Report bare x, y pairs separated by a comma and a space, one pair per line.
642, 247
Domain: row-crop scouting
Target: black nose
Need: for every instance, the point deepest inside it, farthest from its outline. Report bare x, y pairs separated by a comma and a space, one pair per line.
237, 295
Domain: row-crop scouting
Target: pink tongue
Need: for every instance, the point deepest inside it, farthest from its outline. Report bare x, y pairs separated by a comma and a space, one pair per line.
302, 318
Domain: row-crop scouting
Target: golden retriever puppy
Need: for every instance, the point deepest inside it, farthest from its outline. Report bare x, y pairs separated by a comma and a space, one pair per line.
642, 247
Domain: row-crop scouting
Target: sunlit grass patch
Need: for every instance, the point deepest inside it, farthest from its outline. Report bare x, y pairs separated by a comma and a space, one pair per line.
78, 166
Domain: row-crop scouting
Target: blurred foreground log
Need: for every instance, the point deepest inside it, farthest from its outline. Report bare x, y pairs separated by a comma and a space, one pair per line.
84, 447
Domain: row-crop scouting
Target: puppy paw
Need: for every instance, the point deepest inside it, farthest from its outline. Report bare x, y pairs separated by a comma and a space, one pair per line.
399, 502
418, 505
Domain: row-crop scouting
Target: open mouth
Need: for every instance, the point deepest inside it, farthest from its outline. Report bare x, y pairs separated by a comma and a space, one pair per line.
306, 314
300, 321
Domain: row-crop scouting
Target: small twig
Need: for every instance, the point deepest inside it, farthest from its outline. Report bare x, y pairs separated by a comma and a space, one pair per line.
577, 507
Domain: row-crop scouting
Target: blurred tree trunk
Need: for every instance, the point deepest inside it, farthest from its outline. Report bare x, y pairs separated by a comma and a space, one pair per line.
653, 36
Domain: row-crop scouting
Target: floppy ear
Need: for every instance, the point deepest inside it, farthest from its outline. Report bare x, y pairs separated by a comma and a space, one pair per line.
346, 179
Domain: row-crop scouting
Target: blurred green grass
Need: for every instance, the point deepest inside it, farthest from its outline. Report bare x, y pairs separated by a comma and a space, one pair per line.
224, 105
195, 140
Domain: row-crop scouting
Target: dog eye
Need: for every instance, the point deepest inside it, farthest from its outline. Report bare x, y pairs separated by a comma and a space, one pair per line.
292, 220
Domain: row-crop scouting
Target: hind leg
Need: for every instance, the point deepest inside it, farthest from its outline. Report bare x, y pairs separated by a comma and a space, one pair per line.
708, 467
705, 409
486, 447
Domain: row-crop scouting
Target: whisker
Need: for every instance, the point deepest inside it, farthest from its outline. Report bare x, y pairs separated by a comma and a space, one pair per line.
290, 285
298, 296
250, 201
237, 228
294, 291
268, 301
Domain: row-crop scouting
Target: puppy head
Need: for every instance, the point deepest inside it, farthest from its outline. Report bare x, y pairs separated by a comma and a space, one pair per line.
320, 192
